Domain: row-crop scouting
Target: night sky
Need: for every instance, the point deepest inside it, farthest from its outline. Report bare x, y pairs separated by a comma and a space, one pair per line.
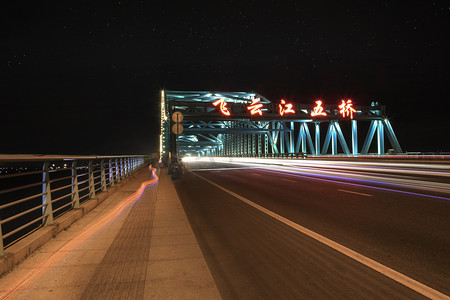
79, 77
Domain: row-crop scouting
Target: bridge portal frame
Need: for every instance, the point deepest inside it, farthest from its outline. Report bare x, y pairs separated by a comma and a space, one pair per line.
208, 132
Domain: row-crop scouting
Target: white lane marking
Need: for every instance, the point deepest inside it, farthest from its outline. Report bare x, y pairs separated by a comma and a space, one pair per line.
288, 180
352, 192
388, 272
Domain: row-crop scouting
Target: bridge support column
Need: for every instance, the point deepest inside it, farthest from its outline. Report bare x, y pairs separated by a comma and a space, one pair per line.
333, 139
317, 138
266, 145
391, 136
259, 145
281, 134
354, 137
369, 137
303, 131
291, 138
380, 138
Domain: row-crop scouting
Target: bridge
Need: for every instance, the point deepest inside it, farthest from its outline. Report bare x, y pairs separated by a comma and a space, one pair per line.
248, 124
267, 208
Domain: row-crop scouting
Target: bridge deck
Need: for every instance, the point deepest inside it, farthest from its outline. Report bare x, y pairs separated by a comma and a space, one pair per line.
147, 251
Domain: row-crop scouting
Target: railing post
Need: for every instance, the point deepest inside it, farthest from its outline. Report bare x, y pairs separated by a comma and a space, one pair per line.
125, 166
111, 174
121, 169
2, 248
103, 177
91, 181
128, 166
75, 194
47, 210
117, 171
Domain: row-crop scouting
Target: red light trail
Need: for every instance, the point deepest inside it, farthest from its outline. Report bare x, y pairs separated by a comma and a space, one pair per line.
76, 241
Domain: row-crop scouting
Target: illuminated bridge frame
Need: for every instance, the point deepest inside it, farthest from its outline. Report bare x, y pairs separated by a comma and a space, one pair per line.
209, 131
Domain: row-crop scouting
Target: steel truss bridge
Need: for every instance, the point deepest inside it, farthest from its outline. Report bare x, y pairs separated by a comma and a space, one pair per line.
229, 129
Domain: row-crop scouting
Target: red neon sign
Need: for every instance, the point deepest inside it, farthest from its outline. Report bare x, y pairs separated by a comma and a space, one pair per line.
286, 108
223, 106
346, 108
318, 109
255, 107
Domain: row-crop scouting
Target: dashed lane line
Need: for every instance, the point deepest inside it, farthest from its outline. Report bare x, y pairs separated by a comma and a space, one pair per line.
288, 180
356, 193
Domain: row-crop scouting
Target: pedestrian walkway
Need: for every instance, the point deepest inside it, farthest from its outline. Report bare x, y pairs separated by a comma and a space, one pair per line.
146, 250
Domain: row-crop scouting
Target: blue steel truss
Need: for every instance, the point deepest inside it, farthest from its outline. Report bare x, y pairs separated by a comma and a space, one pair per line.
207, 131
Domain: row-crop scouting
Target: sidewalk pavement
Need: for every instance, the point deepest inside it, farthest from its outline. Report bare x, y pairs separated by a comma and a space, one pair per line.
146, 251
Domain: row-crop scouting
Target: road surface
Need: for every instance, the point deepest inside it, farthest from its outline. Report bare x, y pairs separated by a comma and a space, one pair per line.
401, 221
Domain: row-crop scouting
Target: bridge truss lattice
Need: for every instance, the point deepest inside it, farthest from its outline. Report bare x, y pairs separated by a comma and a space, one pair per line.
207, 131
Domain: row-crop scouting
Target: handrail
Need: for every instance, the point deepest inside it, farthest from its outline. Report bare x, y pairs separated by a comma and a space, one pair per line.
46, 157
40, 182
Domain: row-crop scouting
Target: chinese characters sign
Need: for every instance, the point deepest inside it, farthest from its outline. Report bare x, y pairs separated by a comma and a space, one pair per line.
346, 109
318, 110
255, 107
223, 106
285, 108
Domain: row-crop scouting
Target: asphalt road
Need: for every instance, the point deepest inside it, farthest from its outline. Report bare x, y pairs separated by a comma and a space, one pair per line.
253, 256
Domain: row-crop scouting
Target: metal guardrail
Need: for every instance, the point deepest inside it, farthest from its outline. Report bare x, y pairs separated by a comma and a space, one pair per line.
271, 155
36, 189
303, 155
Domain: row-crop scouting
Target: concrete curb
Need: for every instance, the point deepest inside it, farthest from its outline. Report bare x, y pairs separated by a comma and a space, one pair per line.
25, 247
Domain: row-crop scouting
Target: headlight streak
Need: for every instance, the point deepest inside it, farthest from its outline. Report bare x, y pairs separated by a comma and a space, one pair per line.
410, 168
311, 169
445, 168
77, 240
370, 179
356, 184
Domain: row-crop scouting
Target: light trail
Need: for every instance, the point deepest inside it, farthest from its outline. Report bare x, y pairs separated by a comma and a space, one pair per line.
76, 241
359, 172
406, 168
358, 185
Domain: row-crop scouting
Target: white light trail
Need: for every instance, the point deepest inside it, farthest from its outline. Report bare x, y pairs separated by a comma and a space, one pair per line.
378, 172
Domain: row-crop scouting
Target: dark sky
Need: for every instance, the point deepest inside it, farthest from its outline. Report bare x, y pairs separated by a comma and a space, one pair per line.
80, 77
